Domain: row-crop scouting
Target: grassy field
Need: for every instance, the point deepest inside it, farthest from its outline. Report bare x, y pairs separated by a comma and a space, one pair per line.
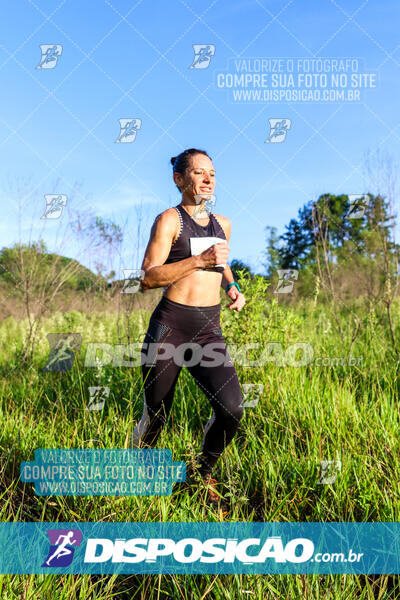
331, 409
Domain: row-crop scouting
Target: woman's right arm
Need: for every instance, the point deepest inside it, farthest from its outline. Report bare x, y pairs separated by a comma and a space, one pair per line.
156, 273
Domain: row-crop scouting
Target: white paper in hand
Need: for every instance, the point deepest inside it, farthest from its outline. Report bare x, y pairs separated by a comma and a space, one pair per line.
199, 244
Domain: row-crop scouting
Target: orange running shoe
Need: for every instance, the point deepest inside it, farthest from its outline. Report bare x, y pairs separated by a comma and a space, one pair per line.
213, 496
194, 481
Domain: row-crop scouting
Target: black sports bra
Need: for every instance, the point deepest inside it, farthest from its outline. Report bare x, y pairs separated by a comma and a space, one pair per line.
180, 248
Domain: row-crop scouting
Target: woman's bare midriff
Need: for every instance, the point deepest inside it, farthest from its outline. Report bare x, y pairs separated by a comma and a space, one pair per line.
201, 288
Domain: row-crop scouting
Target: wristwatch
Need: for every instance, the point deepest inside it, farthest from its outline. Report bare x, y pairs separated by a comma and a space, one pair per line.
231, 284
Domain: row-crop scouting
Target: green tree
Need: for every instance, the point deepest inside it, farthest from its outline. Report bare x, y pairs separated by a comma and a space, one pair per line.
271, 253
237, 266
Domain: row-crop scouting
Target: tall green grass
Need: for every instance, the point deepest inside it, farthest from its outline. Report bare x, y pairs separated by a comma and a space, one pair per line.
270, 472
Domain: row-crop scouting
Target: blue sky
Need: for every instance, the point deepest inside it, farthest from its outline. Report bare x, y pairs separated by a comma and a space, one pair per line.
125, 60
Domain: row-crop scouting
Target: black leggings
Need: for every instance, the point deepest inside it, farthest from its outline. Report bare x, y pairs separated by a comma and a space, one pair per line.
171, 325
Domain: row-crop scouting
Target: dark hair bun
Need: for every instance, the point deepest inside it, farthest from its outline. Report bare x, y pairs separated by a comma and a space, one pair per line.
173, 159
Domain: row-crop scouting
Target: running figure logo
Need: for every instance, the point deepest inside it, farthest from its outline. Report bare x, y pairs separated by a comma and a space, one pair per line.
287, 277
252, 393
50, 55
132, 279
128, 130
202, 55
62, 351
54, 206
358, 204
329, 471
210, 201
98, 395
278, 129
62, 547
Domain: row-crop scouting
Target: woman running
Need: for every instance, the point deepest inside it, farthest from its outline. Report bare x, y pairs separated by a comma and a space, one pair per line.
188, 314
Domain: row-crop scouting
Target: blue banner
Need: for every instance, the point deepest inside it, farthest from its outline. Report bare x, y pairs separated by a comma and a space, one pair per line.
199, 548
